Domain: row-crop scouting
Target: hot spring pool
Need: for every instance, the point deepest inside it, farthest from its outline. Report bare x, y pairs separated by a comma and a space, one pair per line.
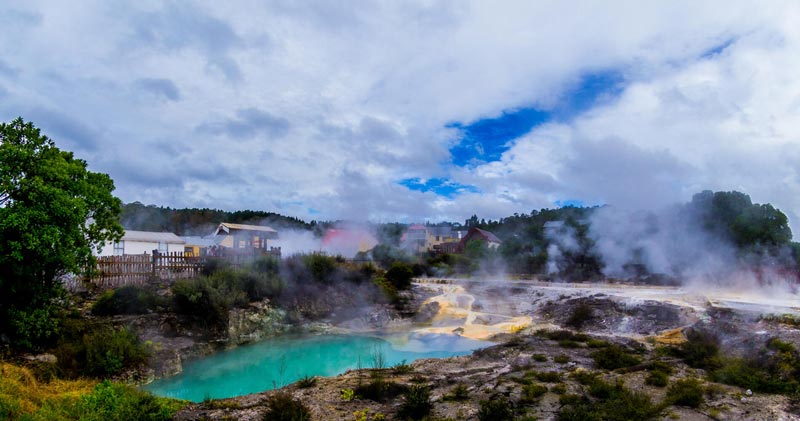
280, 361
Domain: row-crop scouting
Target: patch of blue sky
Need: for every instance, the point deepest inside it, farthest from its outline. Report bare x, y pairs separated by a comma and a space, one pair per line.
487, 139
570, 202
441, 186
718, 49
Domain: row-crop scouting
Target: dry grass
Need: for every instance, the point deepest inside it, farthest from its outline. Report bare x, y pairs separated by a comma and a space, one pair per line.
21, 392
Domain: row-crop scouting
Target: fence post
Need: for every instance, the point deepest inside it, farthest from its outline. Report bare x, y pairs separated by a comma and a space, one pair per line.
155, 263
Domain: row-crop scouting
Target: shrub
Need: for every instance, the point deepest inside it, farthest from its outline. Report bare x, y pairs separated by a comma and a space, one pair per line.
569, 343
283, 407
129, 299
539, 357
597, 343
458, 394
546, 376
660, 366
613, 402
613, 357
532, 392
109, 351
208, 298
559, 389
701, 350
580, 315
774, 369
347, 395
400, 275
322, 267
498, 407
657, 378
561, 359
584, 377
111, 401
562, 335
402, 368
306, 381
379, 390
417, 403
686, 392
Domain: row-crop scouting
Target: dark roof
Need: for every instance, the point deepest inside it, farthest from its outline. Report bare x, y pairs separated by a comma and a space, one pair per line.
486, 235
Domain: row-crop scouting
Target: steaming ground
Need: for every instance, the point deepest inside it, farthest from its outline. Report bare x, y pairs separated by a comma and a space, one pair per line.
480, 309
622, 314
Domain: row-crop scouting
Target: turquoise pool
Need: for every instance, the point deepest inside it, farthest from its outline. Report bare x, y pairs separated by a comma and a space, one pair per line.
280, 361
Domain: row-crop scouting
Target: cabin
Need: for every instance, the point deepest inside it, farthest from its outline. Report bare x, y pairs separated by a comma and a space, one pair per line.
144, 242
244, 237
477, 234
421, 238
198, 246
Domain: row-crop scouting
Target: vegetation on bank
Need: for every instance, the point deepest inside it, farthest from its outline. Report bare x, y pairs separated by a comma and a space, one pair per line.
25, 396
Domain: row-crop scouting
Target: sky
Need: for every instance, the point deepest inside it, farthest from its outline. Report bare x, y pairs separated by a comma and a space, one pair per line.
414, 110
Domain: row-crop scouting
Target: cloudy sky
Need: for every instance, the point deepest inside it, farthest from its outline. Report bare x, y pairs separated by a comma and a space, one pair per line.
414, 110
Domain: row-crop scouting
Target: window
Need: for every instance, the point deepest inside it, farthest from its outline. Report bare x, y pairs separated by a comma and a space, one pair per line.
119, 248
162, 247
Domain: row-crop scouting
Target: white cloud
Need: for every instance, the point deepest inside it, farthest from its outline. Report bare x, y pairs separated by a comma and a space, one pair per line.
354, 98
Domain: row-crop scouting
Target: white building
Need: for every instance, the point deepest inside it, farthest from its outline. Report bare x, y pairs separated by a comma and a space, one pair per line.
144, 242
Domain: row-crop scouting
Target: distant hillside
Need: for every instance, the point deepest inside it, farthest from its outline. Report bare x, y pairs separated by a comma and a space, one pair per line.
137, 216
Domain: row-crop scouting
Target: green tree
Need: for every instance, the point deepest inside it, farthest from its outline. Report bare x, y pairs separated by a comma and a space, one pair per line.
53, 212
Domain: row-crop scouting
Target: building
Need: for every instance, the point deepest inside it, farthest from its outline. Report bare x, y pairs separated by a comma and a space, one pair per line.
144, 242
244, 237
477, 234
422, 239
198, 246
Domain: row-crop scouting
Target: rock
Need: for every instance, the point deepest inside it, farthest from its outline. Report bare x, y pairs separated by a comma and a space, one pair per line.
749, 392
46, 358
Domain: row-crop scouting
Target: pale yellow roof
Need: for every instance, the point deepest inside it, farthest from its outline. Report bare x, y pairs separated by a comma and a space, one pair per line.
227, 226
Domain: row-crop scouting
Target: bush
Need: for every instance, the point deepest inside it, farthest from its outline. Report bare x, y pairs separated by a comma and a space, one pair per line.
686, 392
322, 267
208, 299
109, 351
545, 376
129, 299
458, 394
561, 359
539, 357
379, 390
498, 407
400, 275
562, 335
657, 378
111, 401
774, 369
613, 402
613, 357
417, 403
581, 314
306, 381
701, 350
532, 392
283, 407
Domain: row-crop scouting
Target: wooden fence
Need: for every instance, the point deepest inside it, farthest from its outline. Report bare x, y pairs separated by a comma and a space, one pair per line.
139, 269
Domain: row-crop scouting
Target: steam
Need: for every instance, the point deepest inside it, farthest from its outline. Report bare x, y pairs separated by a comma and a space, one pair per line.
343, 239
672, 242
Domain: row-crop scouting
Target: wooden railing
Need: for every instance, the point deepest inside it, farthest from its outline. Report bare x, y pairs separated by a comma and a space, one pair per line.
117, 271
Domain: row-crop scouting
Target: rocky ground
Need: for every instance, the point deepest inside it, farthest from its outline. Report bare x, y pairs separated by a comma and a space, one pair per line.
640, 322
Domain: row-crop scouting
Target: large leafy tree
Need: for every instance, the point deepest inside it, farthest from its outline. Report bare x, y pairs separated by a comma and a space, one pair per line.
53, 212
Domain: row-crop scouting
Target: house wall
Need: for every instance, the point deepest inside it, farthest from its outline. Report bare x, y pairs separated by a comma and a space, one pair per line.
139, 247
